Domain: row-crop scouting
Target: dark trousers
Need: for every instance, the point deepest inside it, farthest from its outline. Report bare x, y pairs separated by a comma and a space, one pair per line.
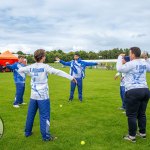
136, 104
73, 86
122, 95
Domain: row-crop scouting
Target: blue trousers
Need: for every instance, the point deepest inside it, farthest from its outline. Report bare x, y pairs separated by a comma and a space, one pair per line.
44, 113
73, 86
122, 95
20, 88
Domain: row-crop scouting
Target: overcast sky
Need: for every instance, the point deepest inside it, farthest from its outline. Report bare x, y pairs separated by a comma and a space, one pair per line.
74, 24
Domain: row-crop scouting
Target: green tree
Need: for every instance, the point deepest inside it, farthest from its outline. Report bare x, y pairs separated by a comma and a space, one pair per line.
20, 53
30, 59
93, 55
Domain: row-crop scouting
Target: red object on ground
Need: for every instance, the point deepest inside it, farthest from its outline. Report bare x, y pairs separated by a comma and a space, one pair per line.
7, 57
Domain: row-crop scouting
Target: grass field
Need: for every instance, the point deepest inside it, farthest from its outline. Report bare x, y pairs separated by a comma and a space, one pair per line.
97, 120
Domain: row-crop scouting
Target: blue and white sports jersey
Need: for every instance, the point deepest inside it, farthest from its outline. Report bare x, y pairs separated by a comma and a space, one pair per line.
77, 67
18, 78
135, 71
39, 78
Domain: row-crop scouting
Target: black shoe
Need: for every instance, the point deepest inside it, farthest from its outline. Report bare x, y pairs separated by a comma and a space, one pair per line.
29, 134
130, 138
142, 135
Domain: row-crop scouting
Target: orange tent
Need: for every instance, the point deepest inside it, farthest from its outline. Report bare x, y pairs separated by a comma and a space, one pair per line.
7, 57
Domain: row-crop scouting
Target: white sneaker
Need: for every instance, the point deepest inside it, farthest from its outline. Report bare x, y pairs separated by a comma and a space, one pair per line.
130, 138
142, 135
16, 106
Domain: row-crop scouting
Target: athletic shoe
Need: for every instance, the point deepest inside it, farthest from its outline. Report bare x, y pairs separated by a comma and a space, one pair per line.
28, 134
130, 138
16, 106
52, 138
23, 103
142, 135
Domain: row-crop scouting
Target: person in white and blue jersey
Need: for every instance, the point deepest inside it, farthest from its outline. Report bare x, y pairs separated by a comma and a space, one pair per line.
19, 81
122, 83
137, 92
77, 70
40, 93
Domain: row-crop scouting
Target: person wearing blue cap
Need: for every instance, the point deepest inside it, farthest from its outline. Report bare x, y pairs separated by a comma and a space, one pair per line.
77, 70
122, 83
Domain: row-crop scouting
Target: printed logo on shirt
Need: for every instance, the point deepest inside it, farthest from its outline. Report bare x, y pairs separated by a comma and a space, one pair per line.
137, 77
36, 70
141, 68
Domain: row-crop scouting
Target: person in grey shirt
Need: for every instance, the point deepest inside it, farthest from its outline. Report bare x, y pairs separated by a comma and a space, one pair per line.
137, 92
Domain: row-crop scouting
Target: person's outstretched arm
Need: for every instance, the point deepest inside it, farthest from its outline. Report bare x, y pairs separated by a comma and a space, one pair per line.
123, 68
11, 67
61, 73
63, 62
90, 63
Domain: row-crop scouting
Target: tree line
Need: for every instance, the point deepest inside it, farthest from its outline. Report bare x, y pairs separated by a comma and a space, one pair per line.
105, 54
